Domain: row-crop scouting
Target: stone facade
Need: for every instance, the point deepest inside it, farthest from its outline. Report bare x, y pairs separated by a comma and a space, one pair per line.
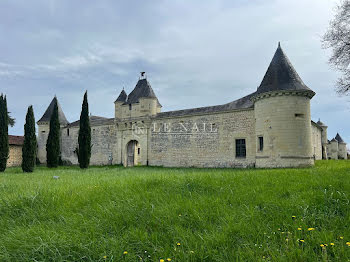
271, 127
15, 152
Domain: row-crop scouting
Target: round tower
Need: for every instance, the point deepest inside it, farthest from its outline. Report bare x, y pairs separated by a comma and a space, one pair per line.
324, 139
282, 115
342, 151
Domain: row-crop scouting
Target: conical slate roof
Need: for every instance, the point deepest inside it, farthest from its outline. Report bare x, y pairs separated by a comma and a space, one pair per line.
334, 140
339, 139
142, 89
281, 75
122, 97
47, 115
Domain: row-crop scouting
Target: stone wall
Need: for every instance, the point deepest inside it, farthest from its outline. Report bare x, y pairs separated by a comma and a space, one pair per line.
103, 141
15, 156
203, 140
316, 133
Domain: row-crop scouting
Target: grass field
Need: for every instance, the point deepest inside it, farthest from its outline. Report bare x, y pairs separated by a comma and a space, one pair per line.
149, 214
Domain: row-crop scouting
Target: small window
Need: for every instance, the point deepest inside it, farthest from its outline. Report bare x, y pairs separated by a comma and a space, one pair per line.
43, 132
68, 132
240, 148
299, 115
130, 106
261, 143
138, 151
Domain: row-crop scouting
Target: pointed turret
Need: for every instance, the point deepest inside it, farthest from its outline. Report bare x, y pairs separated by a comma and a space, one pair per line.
142, 89
47, 115
281, 75
122, 96
339, 138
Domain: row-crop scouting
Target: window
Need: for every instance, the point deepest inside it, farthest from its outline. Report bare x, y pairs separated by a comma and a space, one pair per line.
299, 116
138, 151
261, 143
67, 131
130, 106
240, 148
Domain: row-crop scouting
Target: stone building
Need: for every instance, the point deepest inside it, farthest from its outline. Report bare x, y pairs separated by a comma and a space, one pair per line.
271, 127
15, 152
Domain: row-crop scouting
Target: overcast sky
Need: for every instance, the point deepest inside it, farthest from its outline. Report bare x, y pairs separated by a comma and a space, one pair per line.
195, 53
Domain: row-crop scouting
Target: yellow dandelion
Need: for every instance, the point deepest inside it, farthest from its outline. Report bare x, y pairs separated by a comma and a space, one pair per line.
341, 237
348, 243
332, 244
104, 257
125, 252
178, 244
294, 217
302, 240
311, 229
322, 246
168, 259
299, 228
162, 260
263, 257
325, 245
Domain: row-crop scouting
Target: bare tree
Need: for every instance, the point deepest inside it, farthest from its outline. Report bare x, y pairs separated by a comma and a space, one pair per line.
337, 38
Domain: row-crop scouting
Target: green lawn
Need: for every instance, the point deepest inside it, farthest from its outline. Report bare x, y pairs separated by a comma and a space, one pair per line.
214, 214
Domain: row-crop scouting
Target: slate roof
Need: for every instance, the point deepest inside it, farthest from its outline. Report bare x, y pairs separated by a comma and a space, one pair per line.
320, 123
281, 75
122, 97
142, 89
47, 115
242, 103
334, 140
94, 121
339, 139
16, 140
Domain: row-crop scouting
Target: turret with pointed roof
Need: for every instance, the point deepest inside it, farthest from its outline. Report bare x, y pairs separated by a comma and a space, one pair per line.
142, 89
281, 76
122, 97
47, 115
339, 138
281, 111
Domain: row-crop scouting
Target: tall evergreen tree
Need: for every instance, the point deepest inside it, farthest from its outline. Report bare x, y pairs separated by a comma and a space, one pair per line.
84, 151
53, 140
4, 139
29, 146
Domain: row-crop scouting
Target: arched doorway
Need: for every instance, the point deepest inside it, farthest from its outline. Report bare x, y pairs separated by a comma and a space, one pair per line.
132, 152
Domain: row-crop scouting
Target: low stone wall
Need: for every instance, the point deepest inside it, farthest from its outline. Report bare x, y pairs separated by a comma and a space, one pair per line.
15, 156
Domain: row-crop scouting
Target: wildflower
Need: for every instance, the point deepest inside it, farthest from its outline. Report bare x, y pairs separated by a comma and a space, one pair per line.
104, 257
179, 215
299, 228
282, 232
125, 252
263, 257
341, 237
178, 244
287, 239
322, 245
332, 244
192, 252
279, 229
168, 259
302, 240
310, 229
294, 217
162, 260
325, 245
348, 243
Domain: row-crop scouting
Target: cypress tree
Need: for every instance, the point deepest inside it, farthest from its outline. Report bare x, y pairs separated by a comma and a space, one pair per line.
29, 146
4, 140
84, 151
53, 140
